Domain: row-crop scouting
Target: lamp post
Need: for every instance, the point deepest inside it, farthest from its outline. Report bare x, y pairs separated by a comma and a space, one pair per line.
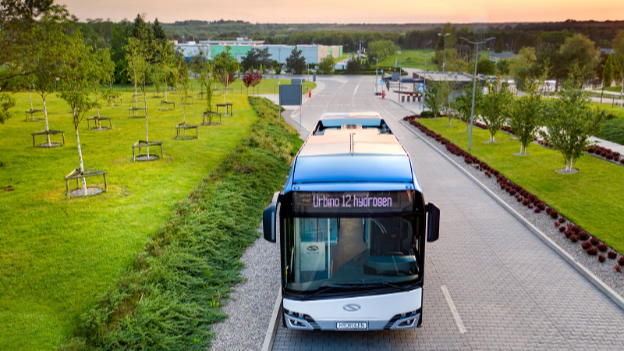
474, 84
444, 50
376, 66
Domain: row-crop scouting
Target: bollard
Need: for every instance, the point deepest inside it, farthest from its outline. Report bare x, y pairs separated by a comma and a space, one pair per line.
383, 94
309, 94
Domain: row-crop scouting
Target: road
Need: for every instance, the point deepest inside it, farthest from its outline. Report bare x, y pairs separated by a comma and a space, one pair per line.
490, 284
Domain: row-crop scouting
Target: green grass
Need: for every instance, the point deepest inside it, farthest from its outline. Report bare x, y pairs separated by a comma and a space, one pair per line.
173, 294
57, 255
612, 129
411, 59
592, 198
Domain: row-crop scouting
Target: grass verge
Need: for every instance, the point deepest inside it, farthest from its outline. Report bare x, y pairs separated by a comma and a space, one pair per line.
592, 198
171, 296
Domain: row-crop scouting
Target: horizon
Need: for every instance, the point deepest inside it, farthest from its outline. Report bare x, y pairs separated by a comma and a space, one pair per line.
351, 11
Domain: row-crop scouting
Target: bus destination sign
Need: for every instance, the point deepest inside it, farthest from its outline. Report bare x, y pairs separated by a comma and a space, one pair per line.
354, 202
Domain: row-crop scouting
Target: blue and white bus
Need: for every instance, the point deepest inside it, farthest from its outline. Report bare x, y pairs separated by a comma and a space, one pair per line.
352, 223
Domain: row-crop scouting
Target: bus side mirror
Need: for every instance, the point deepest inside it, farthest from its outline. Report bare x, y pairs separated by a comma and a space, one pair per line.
268, 219
433, 222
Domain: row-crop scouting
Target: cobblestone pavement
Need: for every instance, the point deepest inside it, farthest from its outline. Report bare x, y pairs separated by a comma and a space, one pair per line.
510, 291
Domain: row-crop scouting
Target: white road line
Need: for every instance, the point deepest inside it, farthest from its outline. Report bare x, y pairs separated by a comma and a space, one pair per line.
449, 301
356, 88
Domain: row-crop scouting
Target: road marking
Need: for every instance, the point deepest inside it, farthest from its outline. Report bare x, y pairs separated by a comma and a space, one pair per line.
356, 88
449, 301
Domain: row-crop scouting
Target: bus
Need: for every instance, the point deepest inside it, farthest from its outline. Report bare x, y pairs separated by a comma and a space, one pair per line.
352, 224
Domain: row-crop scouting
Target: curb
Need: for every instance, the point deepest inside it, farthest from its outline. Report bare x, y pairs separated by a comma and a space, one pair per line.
605, 289
269, 337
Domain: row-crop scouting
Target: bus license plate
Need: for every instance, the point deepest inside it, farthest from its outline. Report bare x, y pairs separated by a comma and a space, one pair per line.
352, 326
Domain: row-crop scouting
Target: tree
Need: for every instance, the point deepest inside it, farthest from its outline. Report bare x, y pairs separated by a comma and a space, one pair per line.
486, 67
355, 65
327, 65
256, 59
47, 60
524, 67
502, 66
526, 111
137, 57
252, 79
17, 44
182, 82
618, 47
495, 108
225, 65
101, 73
380, 49
436, 96
570, 120
295, 63
579, 57
77, 77
463, 103
159, 32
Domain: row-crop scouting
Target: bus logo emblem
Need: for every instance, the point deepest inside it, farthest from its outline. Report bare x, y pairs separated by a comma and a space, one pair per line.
352, 307
312, 248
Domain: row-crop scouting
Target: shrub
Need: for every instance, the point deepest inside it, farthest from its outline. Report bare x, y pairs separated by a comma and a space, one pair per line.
618, 268
612, 254
567, 233
592, 251
602, 247
562, 220
556, 224
595, 241
574, 238
553, 213
601, 258
537, 210
586, 245
562, 229
620, 261
583, 235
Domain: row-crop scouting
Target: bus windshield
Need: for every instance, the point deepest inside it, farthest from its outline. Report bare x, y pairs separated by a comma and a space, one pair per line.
347, 250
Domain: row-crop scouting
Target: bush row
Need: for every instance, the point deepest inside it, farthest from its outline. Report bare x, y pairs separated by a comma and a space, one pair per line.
606, 153
575, 233
171, 297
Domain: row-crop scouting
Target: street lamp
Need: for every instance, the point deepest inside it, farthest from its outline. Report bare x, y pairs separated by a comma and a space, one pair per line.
444, 50
474, 84
376, 66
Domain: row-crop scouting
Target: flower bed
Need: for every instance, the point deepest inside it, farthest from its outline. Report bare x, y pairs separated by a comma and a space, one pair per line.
575, 233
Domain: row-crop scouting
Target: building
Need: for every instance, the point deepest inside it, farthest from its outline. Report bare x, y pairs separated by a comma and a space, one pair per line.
501, 56
313, 54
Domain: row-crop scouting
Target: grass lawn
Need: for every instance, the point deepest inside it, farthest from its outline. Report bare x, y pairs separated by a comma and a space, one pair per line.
592, 198
57, 255
613, 129
411, 59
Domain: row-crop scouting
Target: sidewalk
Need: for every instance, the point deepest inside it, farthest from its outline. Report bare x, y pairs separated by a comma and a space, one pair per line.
417, 108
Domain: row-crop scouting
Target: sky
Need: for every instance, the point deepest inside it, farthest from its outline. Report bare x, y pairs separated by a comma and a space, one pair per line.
350, 11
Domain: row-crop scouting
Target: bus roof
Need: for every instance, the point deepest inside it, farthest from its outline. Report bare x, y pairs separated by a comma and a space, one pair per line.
352, 151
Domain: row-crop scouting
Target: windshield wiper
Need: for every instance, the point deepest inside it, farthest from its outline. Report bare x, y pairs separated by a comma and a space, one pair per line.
325, 288
373, 283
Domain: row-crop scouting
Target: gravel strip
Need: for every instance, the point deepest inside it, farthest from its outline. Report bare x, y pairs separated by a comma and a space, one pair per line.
251, 303
604, 271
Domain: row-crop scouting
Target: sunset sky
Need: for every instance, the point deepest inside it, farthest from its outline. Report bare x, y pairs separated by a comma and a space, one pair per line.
350, 11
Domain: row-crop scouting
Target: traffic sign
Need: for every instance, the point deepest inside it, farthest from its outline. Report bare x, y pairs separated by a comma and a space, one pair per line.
382, 70
421, 87
381, 81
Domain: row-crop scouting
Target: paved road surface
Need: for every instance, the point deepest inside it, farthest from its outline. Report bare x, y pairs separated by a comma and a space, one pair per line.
509, 291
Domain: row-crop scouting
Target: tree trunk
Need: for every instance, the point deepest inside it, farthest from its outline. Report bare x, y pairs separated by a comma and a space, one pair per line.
45, 117
81, 163
146, 118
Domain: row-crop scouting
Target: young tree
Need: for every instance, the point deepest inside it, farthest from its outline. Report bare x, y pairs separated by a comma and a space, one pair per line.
182, 82
102, 73
570, 120
327, 65
495, 108
618, 47
295, 63
607, 74
355, 65
486, 66
163, 66
77, 78
526, 111
437, 97
47, 60
463, 103
225, 65
137, 57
